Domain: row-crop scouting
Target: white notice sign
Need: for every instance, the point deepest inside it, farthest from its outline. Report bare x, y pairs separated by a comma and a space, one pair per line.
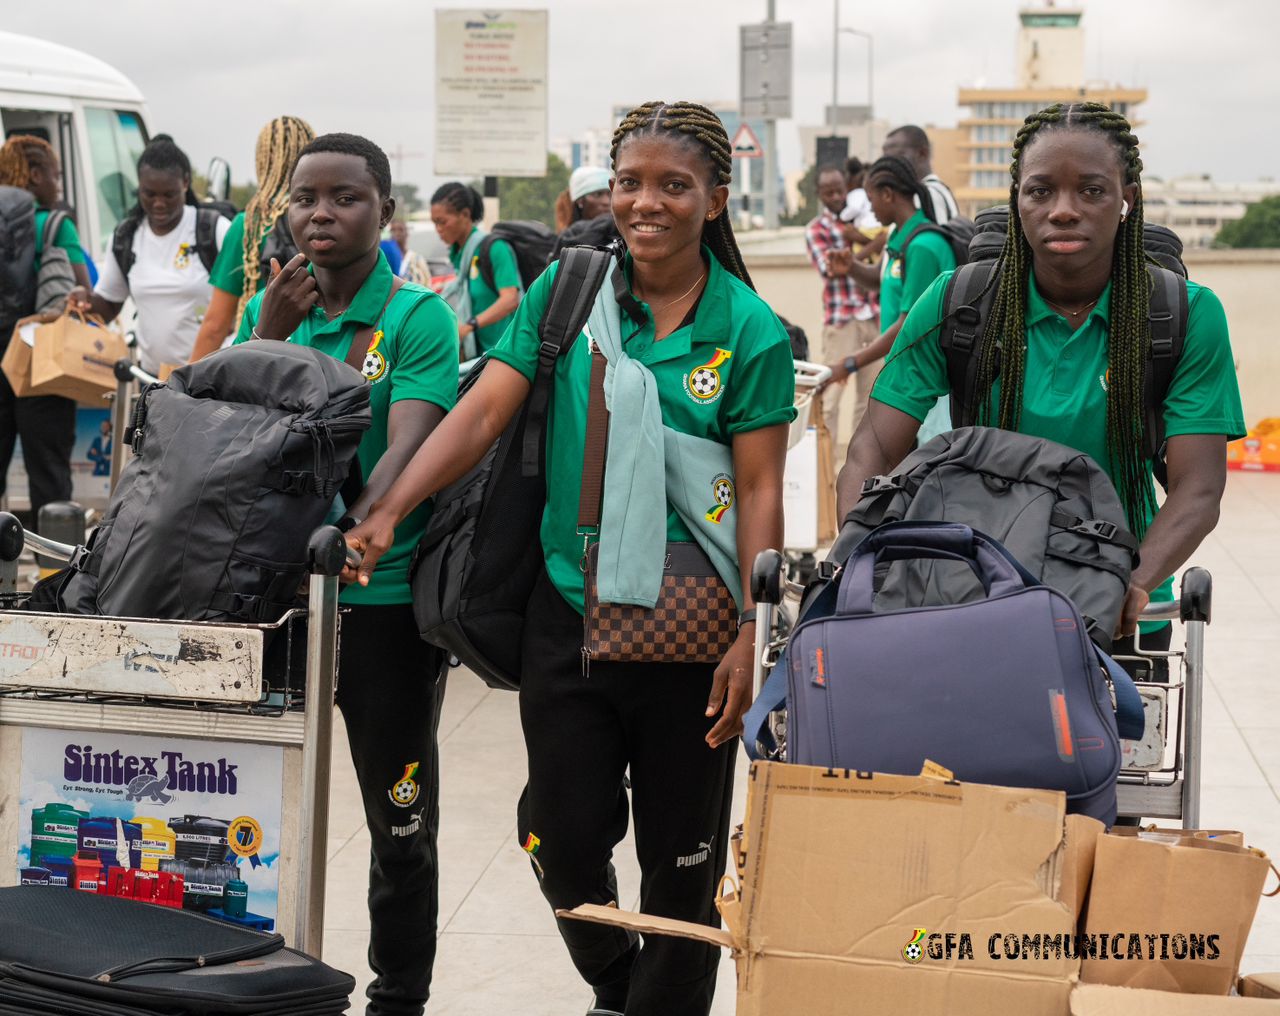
491, 93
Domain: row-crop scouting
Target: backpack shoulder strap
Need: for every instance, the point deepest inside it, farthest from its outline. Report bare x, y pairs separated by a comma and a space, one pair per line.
51, 226
485, 261
1168, 317
573, 293
363, 337
207, 236
965, 308
122, 244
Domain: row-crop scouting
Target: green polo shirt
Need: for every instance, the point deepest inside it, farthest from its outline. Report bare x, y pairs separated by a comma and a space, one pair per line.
927, 257
228, 269
419, 349
1065, 392
733, 332
506, 275
68, 238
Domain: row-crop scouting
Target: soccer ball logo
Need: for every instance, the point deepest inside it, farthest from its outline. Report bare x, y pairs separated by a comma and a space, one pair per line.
704, 382
374, 365
913, 951
724, 492
405, 790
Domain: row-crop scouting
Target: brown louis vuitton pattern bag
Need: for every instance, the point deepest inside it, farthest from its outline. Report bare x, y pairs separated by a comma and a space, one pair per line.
694, 621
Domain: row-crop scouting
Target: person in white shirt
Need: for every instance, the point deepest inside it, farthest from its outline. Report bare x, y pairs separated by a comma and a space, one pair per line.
857, 206
912, 143
160, 256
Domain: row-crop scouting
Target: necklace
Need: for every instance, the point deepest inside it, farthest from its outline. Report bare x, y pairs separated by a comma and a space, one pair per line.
1070, 313
655, 311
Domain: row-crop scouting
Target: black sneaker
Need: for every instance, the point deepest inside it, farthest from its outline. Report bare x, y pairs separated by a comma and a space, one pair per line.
603, 1012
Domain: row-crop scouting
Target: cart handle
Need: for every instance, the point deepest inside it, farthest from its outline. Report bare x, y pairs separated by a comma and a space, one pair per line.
13, 537
811, 375
126, 370
1196, 603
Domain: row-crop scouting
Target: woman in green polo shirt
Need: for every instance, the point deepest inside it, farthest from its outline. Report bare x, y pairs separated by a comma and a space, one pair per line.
1072, 288
390, 682
256, 235
718, 362
485, 290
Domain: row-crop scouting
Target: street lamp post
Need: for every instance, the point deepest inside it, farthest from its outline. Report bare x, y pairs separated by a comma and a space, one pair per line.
871, 63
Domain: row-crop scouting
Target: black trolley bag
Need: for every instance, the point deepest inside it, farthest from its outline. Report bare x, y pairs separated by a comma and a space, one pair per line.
480, 555
71, 953
237, 459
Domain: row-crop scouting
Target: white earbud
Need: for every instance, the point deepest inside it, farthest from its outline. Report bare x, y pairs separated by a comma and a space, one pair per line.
1124, 210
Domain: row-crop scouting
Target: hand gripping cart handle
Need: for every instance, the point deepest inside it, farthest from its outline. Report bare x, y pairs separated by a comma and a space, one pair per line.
1168, 787
327, 553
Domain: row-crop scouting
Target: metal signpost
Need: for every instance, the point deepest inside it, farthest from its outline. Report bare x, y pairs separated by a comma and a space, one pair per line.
491, 93
765, 93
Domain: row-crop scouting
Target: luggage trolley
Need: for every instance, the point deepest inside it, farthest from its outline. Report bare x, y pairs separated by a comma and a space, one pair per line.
1160, 775
802, 481
251, 684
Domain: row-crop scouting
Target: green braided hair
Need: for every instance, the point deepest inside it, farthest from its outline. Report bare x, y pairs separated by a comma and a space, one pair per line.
702, 129
1129, 340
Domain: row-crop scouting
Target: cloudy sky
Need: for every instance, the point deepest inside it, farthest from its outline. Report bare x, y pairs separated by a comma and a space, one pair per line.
214, 73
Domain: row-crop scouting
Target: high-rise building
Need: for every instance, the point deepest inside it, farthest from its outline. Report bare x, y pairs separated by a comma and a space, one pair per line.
1050, 68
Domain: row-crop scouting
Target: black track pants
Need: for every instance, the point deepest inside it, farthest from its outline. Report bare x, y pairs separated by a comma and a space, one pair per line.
390, 686
46, 425
582, 734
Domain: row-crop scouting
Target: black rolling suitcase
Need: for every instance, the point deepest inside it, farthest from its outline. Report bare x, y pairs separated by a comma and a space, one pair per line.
78, 954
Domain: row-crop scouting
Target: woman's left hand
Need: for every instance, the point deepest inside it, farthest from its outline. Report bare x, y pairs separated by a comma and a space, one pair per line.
731, 688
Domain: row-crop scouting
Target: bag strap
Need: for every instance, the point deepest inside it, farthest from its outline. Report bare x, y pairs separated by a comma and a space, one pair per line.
122, 244
573, 293
363, 337
595, 448
755, 725
484, 261
1131, 721
207, 236
1168, 318
966, 307
51, 226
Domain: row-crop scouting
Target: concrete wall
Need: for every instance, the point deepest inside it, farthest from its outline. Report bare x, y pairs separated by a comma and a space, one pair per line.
1247, 282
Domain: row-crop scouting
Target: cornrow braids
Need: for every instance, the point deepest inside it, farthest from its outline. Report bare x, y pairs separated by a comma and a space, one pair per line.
460, 197
1002, 348
699, 127
279, 144
898, 174
16, 156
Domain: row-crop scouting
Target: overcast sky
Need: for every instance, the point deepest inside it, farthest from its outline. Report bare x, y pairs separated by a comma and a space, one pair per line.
214, 73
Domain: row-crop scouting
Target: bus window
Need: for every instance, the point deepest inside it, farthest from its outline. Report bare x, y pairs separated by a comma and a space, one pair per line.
116, 139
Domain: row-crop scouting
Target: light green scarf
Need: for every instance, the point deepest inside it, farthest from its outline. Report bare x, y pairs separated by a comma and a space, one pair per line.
457, 294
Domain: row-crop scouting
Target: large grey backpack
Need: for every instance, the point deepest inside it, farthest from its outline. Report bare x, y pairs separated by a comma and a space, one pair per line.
1051, 506
17, 258
237, 459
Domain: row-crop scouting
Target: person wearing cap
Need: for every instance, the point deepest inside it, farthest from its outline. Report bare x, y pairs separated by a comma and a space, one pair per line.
583, 212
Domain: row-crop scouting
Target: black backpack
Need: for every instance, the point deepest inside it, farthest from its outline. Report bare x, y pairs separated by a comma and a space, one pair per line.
17, 258
957, 230
1052, 507
207, 219
279, 245
533, 243
967, 302
237, 458
475, 567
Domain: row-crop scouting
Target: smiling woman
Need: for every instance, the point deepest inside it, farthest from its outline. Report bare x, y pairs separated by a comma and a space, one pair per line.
702, 386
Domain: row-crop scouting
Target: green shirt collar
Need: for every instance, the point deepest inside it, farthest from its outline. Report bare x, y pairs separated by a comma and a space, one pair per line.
369, 299
1038, 310
456, 248
711, 320
902, 232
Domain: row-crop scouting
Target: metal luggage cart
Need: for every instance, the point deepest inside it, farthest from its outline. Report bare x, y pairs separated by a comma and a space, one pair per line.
252, 684
123, 401
1160, 775
803, 484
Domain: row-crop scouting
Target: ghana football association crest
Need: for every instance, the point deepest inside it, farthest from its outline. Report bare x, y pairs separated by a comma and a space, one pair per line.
375, 364
703, 383
405, 790
722, 490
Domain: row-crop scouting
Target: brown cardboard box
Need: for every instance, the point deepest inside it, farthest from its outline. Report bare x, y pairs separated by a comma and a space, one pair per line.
843, 871
75, 359
1103, 1000
1260, 986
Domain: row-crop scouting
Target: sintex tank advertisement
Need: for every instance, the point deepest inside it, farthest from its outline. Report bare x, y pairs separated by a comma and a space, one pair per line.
169, 821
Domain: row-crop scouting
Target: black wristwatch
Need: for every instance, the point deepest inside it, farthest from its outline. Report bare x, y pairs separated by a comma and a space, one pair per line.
473, 324
850, 365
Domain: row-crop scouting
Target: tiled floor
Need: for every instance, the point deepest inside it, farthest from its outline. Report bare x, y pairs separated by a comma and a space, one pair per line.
499, 951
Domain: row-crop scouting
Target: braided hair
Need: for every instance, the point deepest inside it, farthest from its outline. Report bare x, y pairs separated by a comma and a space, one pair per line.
1129, 333
899, 175
699, 127
278, 147
161, 154
17, 156
460, 197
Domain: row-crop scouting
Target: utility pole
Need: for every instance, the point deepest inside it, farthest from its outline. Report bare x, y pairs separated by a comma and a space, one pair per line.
835, 67
770, 150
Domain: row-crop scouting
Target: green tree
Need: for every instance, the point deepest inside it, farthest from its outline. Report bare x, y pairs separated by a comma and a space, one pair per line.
533, 197
1259, 227
808, 200
407, 200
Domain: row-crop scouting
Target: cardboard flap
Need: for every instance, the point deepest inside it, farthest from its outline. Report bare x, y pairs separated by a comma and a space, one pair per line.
1100, 1000
1260, 986
648, 924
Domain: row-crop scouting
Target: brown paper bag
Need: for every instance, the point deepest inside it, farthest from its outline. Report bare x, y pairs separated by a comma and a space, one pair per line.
826, 476
75, 359
17, 356
1180, 906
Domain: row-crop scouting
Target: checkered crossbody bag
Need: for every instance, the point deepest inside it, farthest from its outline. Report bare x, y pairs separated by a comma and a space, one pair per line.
695, 618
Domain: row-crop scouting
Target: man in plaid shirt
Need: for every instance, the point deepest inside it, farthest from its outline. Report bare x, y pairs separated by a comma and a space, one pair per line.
850, 315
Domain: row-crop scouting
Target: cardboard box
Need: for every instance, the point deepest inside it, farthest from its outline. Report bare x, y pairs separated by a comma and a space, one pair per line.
1103, 1000
910, 894
1260, 986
